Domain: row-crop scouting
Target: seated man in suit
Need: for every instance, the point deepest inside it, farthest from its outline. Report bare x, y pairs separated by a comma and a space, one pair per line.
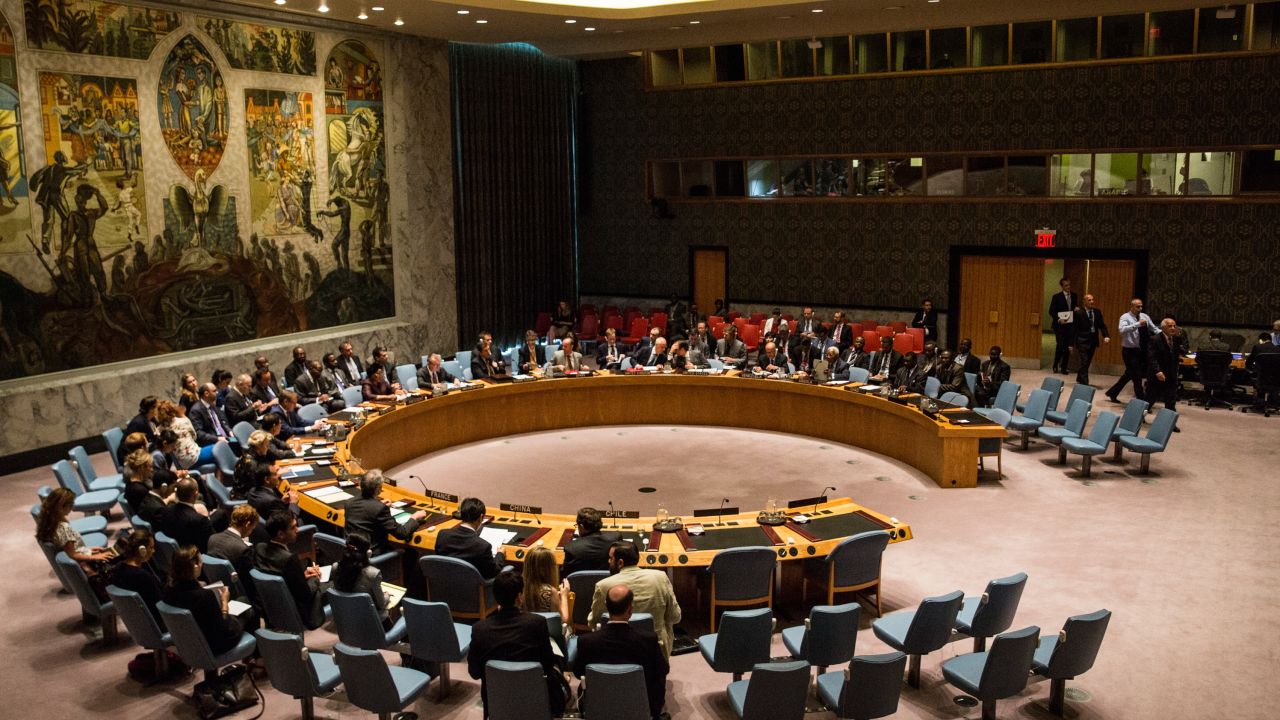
530, 356
375, 388
275, 558
652, 355
383, 358
770, 359
463, 541
807, 326
994, 373
262, 363
210, 423
483, 365
885, 363
841, 333
701, 345
297, 367
369, 515
183, 520
336, 376
609, 352
143, 422
1264, 346
291, 421
590, 549
836, 369
652, 589
239, 406
928, 358
317, 386
617, 643
433, 373
857, 355
965, 358
260, 484
567, 358
803, 354
648, 341
730, 350
264, 395
236, 542
495, 352
349, 365
1215, 342
909, 376
514, 635
951, 375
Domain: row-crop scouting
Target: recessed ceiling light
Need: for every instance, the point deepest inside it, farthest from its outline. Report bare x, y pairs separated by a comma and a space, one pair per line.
323, 8
482, 22
676, 27
377, 8
817, 10
464, 12
363, 15
695, 22
589, 29
399, 22
570, 21
280, 2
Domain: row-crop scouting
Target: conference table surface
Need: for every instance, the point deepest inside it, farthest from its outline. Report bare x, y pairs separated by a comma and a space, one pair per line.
946, 450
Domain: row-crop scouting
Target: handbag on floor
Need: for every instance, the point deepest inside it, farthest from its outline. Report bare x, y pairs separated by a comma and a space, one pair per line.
230, 692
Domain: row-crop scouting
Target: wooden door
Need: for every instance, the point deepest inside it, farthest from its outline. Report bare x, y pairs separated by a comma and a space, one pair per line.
1111, 284
709, 275
1000, 301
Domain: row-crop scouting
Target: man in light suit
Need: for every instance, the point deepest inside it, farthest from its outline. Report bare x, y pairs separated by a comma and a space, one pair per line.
1088, 325
209, 421
609, 353
567, 358
651, 588
730, 350
316, 385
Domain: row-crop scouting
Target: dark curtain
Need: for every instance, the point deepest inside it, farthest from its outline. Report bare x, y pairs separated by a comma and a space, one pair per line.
514, 125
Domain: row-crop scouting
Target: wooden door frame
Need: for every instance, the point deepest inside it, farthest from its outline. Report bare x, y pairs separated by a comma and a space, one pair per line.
689, 290
1139, 257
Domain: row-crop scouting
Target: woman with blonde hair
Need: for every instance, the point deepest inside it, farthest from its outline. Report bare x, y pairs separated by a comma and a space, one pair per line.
188, 392
188, 452
543, 589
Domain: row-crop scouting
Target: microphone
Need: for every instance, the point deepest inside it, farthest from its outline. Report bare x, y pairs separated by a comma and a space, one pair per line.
613, 514
823, 496
424, 485
720, 515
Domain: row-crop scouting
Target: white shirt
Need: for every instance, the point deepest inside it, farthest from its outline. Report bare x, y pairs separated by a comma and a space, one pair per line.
1130, 329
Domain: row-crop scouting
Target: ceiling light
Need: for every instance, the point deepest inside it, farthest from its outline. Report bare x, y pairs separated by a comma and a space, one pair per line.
377, 8
570, 21
399, 22
817, 10
814, 44
676, 27
935, 1
280, 2
363, 15
323, 8
464, 12
482, 22
590, 29
1226, 12
695, 22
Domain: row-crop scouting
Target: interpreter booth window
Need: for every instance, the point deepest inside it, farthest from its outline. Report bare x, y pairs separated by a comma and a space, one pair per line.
1077, 39
908, 50
1165, 173
1266, 26
1172, 32
945, 175
1123, 36
1117, 174
762, 60
697, 66
665, 178
1071, 175
1209, 173
797, 59
697, 178
762, 178
833, 177
664, 67
893, 177
1221, 29
989, 46
1027, 175
1260, 171
871, 53
984, 176
948, 48
797, 178
1032, 42
731, 64
835, 56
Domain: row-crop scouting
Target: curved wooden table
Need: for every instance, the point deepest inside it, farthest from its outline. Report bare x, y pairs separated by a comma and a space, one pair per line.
946, 452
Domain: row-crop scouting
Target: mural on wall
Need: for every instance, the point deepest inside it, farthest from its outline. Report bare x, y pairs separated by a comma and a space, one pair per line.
96, 28
264, 48
15, 218
193, 109
356, 212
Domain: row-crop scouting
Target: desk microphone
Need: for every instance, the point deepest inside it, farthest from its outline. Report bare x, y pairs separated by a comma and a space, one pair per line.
822, 496
613, 514
720, 515
424, 485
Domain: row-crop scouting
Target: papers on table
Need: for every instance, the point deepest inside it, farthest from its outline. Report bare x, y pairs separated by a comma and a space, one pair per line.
402, 517
869, 388
521, 376
297, 471
650, 368
329, 495
496, 537
235, 607
393, 593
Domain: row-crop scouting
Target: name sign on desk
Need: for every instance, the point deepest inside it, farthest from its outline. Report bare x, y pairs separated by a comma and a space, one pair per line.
803, 502
712, 512
444, 496
526, 509
621, 514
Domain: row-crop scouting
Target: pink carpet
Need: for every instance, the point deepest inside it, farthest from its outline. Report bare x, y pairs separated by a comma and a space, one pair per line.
1185, 559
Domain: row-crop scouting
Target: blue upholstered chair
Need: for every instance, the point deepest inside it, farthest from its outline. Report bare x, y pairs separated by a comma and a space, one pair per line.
971, 379
1130, 424
920, 631
407, 374
1157, 438
1070, 653
998, 674
454, 367
741, 644
955, 398
516, 691
1003, 405
95, 501
358, 623
583, 584
741, 576
89, 477
463, 358
859, 375
1032, 417
375, 686
828, 636
991, 613
295, 671
932, 386
85, 525
353, 395
621, 690
279, 610
869, 688
1079, 392
224, 459
241, 431
217, 569
138, 523
194, 649
1053, 386
221, 493
166, 548
1104, 426
776, 691
114, 437
142, 627
458, 584
434, 637
74, 576
852, 565
329, 550
1077, 416
51, 555
309, 414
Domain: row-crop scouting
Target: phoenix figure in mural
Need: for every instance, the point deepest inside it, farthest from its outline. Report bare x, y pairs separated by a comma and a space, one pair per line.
194, 209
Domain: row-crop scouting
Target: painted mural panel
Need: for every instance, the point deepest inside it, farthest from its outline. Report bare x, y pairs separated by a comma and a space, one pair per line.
15, 218
193, 109
356, 212
264, 48
96, 28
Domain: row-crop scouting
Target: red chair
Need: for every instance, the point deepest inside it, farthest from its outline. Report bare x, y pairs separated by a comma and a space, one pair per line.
751, 336
543, 323
639, 329
590, 328
917, 335
898, 327
884, 331
615, 322
659, 319
733, 315
758, 318
611, 310
713, 320
791, 319
740, 322
871, 340
868, 324
855, 329
587, 309
654, 311
717, 331
631, 316
903, 343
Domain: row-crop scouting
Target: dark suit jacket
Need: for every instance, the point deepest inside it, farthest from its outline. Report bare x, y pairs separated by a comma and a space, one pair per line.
239, 408
861, 359
276, 559
877, 358
640, 358
618, 643
590, 552
972, 363
373, 518
1162, 358
996, 374
928, 321
142, 581
346, 372
952, 379
1083, 336
522, 357
515, 636
293, 371
442, 376
465, 544
846, 336
265, 500
763, 361
141, 424
602, 356
229, 546
149, 508
188, 527
309, 388
909, 379
803, 326
221, 632
482, 369
1260, 349
1060, 303
263, 395
202, 421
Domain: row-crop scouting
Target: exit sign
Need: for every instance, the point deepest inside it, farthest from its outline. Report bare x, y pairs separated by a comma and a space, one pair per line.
1046, 238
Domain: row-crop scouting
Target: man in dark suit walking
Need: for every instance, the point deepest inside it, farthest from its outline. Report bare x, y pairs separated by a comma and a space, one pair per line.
617, 643
464, 542
514, 635
1088, 325
1162, 363
1062, 319
369, 515
590, 550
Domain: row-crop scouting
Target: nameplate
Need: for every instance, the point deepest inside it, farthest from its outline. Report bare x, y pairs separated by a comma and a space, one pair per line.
437, 495
620, 514
714, 512
526, 509
802, 502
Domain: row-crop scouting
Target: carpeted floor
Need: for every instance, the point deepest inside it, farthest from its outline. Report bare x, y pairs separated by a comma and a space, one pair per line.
1186, 559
